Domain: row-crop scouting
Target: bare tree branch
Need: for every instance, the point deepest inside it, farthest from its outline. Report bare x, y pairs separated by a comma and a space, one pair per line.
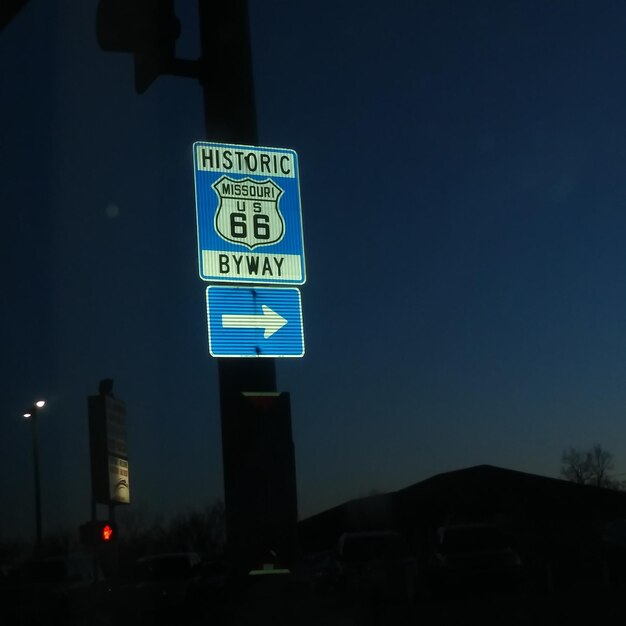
576, 466
601, 465
591, 467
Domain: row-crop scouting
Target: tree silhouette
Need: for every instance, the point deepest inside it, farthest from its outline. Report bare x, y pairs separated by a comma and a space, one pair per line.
576, 466
201, 530
588, 467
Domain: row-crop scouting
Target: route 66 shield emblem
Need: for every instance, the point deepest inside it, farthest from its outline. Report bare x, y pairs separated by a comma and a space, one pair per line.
248, 211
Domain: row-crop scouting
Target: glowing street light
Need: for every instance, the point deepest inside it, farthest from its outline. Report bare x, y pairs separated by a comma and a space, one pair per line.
38, 405
31, 415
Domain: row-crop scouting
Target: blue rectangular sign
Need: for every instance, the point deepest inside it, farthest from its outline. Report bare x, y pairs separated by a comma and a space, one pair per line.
254, 322
248, 214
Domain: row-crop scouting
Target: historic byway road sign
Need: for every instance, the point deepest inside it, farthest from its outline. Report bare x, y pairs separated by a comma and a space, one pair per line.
254, 321
248, 213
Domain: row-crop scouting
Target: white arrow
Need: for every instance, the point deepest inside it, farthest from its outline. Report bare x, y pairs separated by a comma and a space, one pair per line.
269, 320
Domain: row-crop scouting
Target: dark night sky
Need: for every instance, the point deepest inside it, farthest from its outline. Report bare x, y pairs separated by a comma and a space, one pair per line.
463, 191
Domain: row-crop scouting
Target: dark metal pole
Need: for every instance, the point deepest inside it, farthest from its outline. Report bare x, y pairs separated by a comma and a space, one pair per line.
226, 72
35, 433
227, 81
94, 556
230, 117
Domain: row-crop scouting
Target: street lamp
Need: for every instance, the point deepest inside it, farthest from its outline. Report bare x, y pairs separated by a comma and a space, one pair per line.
31, 415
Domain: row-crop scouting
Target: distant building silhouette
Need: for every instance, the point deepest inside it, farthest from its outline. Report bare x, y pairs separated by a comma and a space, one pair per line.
528, 505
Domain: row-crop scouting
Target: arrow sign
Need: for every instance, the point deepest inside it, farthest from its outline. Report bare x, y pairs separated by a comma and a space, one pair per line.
254, 322
269, 321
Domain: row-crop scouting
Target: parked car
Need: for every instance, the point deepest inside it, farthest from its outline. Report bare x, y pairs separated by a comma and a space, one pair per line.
61, 589
473, 554
214, 588
164, 587
379, 564
614, 550
323, 570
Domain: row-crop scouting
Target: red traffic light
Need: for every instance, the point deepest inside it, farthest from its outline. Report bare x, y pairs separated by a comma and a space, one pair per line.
97, 532
107, 532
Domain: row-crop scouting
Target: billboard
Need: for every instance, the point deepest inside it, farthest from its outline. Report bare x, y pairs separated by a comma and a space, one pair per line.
108, 447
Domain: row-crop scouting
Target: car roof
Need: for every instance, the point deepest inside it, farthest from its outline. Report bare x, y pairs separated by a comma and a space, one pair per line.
70, 556
467, 525
191, 556
372, 533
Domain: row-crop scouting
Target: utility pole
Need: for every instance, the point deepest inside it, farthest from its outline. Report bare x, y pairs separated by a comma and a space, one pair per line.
260, 494
32, 416
35, 432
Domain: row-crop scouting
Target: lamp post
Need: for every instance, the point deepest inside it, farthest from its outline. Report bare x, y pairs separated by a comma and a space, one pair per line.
31, 415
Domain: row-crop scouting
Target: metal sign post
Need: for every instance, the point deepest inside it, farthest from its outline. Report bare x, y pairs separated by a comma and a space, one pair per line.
253, 525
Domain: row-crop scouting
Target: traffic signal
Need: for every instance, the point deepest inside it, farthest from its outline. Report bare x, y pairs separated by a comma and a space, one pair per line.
97, 532
146, 28
107, 533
